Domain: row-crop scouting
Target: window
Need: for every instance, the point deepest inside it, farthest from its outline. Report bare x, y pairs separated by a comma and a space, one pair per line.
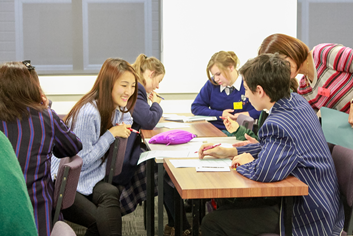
77, 36
325, 21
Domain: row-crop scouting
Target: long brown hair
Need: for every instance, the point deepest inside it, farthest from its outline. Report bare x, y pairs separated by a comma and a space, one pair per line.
222, 60
142, 63
19, 89
101, 92
288, 46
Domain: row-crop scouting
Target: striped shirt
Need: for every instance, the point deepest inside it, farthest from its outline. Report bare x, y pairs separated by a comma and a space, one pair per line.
291, 142
87, 128
334, 67
34, 139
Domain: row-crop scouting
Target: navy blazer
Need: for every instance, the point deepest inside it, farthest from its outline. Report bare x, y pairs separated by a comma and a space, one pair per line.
291, 142
145, 117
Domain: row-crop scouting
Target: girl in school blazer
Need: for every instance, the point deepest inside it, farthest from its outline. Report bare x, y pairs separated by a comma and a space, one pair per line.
223, 95
35, 132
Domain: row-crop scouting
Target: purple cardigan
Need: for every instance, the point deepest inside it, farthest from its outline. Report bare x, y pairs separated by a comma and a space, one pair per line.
145, 117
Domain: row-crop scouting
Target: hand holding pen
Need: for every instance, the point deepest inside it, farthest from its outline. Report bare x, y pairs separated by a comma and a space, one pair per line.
216, 151
210, 147
242, 159
120, 130
155, 97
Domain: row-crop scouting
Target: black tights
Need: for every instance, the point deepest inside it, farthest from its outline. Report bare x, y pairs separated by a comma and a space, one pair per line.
169, 206
99, 212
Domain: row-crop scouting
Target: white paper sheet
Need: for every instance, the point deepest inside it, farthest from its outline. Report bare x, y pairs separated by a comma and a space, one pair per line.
171, 125
206, 163
165, 154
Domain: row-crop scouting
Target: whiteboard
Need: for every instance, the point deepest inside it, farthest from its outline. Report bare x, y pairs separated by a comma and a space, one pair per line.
193, 30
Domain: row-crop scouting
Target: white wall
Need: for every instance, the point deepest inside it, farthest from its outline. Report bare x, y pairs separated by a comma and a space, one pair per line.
194, 30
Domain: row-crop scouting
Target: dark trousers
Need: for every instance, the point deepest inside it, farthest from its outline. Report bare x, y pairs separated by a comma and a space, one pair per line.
243, 218
168, 200
99, 212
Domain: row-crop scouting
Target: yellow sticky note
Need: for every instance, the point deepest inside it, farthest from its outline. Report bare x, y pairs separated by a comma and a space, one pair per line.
237, 105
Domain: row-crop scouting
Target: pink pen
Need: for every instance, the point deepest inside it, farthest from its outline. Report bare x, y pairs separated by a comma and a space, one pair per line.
210, 147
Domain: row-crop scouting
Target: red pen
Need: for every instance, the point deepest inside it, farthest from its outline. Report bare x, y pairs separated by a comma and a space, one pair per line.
132, 130
210, 147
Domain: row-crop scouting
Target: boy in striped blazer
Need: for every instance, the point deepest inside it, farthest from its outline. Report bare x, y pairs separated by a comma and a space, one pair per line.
291, 142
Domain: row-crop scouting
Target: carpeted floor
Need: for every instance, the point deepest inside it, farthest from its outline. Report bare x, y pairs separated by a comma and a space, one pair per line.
132, 223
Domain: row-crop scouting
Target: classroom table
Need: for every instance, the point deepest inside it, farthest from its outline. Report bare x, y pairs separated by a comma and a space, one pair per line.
205, 185
202, 129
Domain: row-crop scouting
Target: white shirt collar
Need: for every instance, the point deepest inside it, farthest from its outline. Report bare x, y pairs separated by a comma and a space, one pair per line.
237, 85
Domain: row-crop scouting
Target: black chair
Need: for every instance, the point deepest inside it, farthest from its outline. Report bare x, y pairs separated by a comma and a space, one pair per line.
115, 158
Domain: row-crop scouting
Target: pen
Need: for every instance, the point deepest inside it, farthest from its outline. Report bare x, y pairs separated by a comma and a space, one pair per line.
132, 130
160, 97
235, 166
210, 147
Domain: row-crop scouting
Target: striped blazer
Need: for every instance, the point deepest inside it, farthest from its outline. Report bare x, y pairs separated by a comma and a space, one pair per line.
34, 139
334, 71
291, 142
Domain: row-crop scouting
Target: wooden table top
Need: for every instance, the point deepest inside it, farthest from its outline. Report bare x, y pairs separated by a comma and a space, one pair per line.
200, 128
198, 185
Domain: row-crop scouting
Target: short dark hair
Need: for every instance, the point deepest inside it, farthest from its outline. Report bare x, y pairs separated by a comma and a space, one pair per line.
269, 71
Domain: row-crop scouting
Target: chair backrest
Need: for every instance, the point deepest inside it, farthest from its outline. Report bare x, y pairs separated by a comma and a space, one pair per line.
115, 159
245, 121
66, 183
343, 159
330, 146
62, 229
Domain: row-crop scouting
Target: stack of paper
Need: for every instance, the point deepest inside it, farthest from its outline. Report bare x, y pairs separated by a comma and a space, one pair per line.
188, 118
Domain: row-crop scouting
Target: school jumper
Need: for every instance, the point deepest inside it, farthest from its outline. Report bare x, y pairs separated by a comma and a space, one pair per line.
211, 101
145, 117
334, 71
291, 142
96, 204
16, 211
34, 139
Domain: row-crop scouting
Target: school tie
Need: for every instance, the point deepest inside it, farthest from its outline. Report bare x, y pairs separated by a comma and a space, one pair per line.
231, 89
